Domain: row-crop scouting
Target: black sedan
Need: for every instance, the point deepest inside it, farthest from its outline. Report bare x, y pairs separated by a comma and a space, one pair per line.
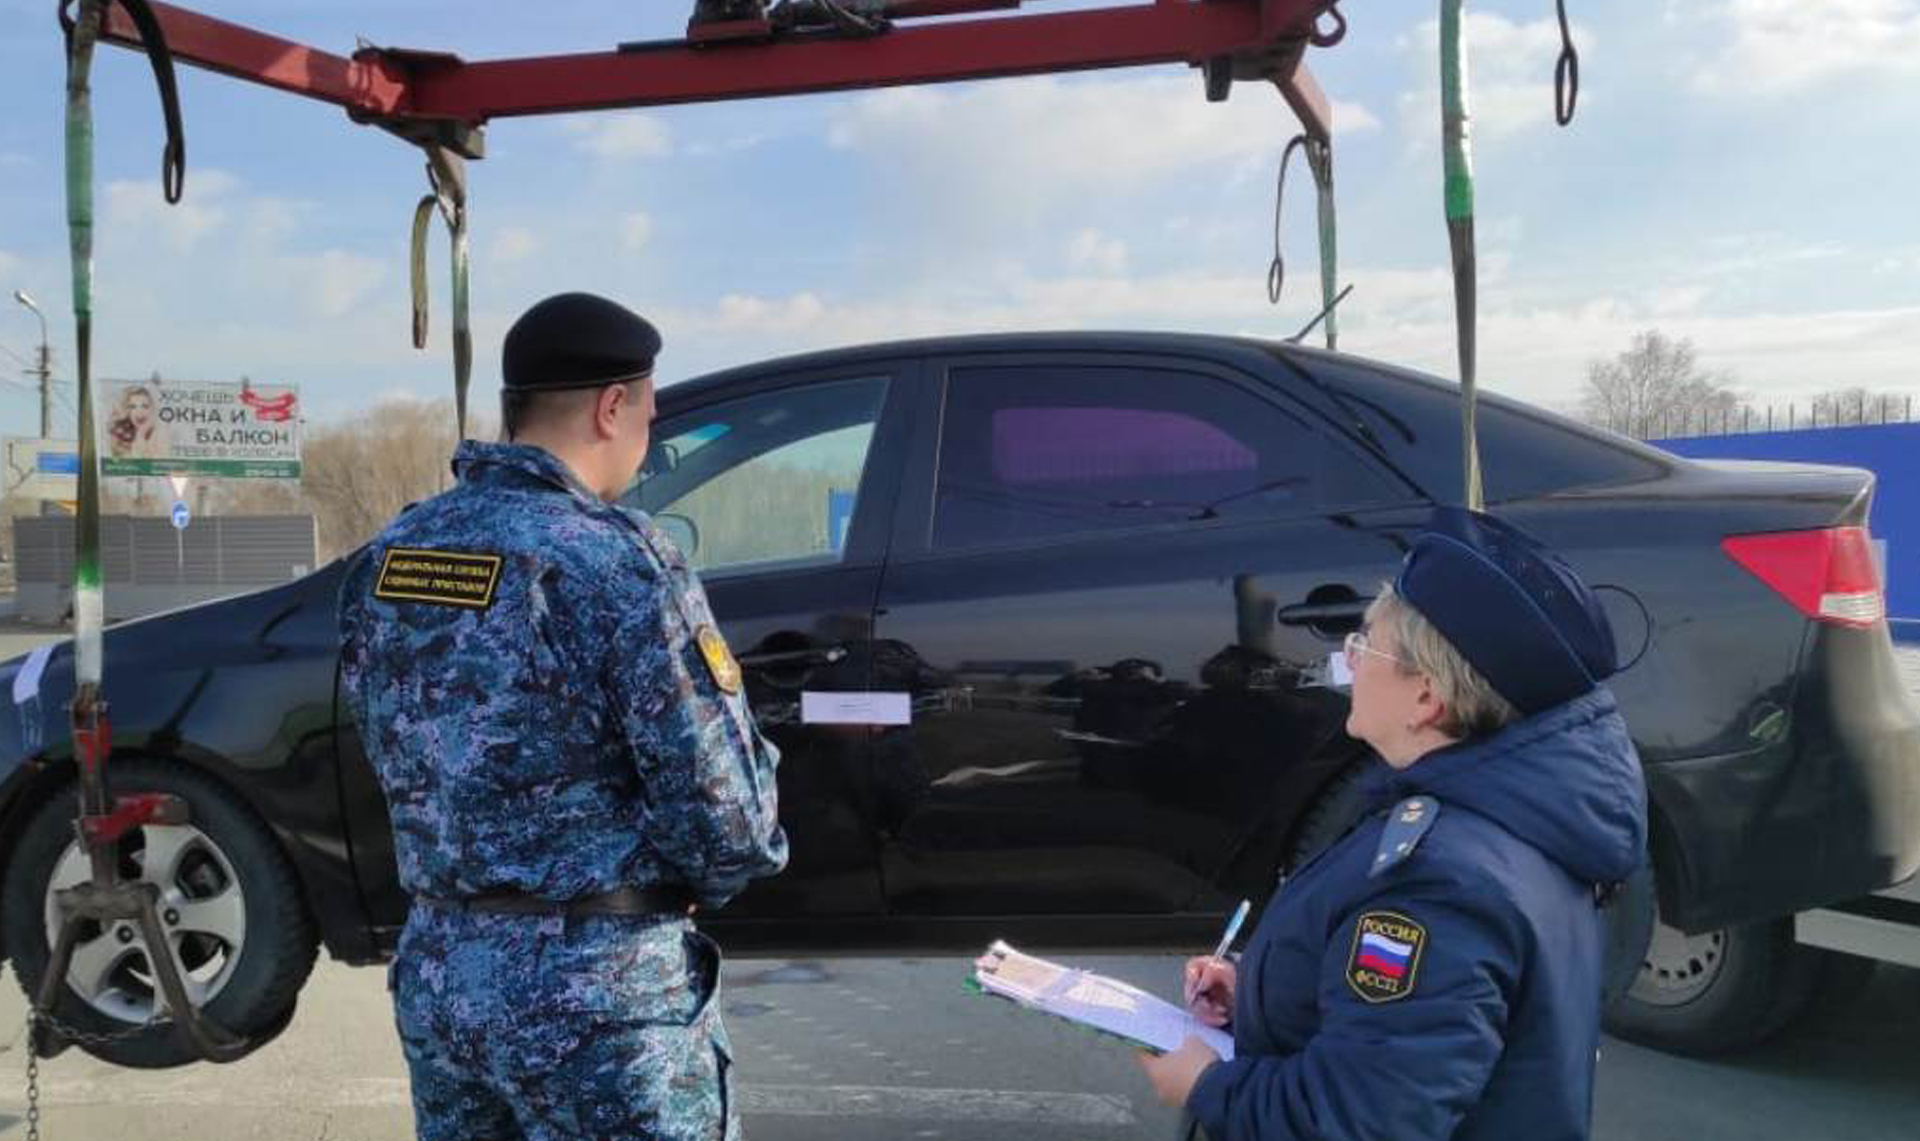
1041, 624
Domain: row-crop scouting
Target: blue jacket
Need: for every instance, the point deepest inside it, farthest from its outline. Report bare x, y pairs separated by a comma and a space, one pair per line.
1457, 992
542, 689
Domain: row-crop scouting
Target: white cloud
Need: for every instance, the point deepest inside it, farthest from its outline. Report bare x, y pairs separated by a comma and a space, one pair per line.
1528, 350
513, 244
339, 280
1092, 250
1352, 119
636, 230
1743, 256
136, 206
405, 394
8, 265
1676, 299
1777, 46
627, 135
1509, 77
734, 145
1014, 148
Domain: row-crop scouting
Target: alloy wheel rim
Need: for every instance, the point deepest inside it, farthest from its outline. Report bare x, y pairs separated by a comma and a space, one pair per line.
202, 909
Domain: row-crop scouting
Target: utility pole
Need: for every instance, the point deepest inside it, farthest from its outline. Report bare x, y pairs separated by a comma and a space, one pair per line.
45, 369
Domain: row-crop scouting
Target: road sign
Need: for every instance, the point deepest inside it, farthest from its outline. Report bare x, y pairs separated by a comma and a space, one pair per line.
40, 469
181, 516
179, 483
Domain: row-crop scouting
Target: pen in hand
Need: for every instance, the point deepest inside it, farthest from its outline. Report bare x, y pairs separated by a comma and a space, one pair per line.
1226, 940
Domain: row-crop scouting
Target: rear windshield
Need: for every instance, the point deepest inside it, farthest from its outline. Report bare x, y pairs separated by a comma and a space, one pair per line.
1523, 451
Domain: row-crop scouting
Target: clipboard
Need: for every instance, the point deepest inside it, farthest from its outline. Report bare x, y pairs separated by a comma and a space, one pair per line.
1108, 1005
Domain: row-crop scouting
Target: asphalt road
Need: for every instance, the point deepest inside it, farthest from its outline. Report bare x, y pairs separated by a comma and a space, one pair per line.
886, 1049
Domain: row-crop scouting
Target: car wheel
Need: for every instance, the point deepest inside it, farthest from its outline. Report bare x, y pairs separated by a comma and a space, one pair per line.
229, 898
1716, 991
1338, 806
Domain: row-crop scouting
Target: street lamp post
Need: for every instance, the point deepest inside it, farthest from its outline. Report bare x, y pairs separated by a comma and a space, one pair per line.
45, 371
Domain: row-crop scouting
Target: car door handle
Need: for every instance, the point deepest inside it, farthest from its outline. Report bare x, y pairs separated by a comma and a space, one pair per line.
816, 656
1323, 613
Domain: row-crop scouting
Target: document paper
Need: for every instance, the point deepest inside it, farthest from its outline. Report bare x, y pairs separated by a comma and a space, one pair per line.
1092, 1000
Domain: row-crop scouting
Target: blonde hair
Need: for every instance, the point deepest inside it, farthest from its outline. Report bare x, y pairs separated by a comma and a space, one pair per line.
1474, 707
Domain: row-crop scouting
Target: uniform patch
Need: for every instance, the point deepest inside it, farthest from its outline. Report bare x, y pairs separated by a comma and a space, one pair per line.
441, 578
1386, 956
720, 663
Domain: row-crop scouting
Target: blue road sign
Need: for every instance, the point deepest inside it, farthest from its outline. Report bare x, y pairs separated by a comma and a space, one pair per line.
181, 516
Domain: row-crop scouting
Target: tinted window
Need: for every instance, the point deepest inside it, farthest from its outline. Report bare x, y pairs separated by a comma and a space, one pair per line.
769, 478
1034, 452
1523, 452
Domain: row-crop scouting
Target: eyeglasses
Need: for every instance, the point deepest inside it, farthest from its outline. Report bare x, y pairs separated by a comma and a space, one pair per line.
1358, 643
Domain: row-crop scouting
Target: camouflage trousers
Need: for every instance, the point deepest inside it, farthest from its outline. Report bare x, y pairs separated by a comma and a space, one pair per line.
547, 1029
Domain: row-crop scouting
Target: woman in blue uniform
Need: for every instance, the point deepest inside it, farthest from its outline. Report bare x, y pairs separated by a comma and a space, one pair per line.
1437, 972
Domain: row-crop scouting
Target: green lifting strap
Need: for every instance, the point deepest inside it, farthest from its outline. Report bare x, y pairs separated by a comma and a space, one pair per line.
1454, 122
447, 173
89, 605
1320, 160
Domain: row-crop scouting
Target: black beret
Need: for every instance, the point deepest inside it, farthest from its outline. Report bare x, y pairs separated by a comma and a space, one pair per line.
577, 340
1514, 609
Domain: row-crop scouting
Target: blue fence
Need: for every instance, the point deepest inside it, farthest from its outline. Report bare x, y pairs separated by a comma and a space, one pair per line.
1890, 451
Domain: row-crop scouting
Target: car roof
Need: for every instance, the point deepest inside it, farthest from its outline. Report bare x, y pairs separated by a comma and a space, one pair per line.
1079, 340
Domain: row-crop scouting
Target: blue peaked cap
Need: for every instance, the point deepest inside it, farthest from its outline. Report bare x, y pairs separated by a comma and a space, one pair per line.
1514, 609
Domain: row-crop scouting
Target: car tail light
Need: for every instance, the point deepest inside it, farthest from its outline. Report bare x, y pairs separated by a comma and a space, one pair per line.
1828, 574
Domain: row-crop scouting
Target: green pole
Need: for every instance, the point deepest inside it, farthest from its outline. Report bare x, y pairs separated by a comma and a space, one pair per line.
1454, 122
462, 325
1320, 158
88, 604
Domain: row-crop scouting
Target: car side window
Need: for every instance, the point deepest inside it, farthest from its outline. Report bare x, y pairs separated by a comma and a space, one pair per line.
767, 479
1033, 452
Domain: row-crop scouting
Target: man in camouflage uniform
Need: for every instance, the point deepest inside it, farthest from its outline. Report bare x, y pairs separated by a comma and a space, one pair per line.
568, 761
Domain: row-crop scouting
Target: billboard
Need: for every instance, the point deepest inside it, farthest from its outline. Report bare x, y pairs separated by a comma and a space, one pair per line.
197, 428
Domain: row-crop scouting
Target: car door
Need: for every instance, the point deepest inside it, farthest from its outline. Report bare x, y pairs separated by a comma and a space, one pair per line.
1116, 584
780, 489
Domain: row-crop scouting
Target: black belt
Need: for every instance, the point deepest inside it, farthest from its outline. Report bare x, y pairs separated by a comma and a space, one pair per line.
662, 901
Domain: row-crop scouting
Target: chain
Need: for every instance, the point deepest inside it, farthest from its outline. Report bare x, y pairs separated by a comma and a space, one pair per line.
79, 1037
33, 1076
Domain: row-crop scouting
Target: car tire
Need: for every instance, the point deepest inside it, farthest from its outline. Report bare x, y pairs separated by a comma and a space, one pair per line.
244, 931
1334, 811
1718, 991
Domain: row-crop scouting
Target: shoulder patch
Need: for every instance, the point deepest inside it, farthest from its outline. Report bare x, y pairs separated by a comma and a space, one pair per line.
1406, 825
1385, 960
720, 663
440, 578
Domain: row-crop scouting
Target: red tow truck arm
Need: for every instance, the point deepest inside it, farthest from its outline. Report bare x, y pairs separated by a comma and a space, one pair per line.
398, 88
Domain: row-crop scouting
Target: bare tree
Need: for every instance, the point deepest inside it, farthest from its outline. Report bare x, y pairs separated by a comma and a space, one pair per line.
1857, 405
1657, 388
358, 474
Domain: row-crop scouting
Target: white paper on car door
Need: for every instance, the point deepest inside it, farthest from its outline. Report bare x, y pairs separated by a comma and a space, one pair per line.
855, 708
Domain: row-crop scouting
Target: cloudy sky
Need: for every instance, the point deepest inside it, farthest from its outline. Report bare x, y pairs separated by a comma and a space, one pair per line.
1741, 172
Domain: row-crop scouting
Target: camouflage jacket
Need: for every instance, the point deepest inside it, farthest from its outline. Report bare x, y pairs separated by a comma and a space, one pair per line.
542, 690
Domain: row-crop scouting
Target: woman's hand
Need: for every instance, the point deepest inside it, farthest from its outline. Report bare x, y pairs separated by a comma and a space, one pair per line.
1174, 1074
1209, 989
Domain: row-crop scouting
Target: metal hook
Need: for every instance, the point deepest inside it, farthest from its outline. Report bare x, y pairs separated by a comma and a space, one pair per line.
1566, 72
1333, 36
